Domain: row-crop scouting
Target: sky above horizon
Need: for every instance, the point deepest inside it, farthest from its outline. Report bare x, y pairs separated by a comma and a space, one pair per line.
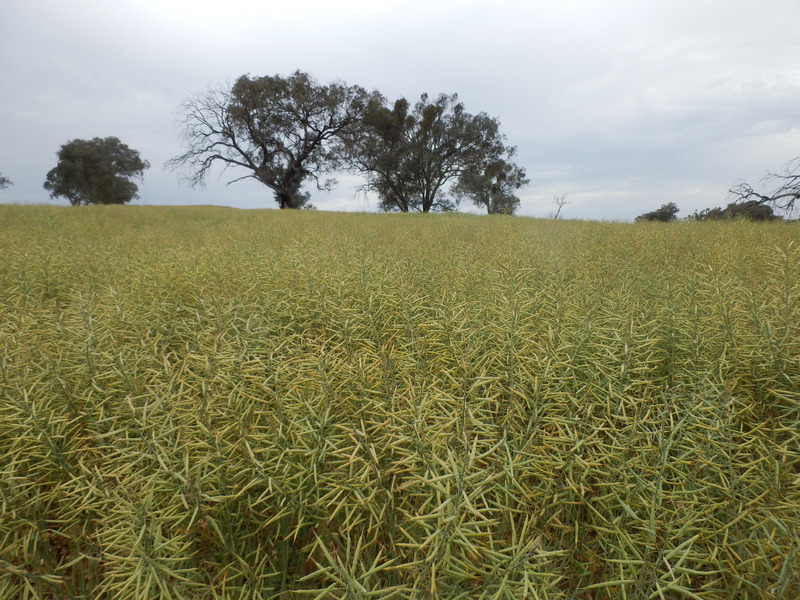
621, 105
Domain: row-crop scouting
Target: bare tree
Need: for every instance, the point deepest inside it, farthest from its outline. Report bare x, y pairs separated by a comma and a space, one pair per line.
282, 131
5, 182
784, 188
561, 202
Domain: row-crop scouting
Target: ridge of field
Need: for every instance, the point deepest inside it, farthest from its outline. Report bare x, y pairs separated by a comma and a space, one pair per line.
200, 402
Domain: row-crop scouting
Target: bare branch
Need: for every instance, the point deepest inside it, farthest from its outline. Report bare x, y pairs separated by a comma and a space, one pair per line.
784, 193
283, 130
561, 202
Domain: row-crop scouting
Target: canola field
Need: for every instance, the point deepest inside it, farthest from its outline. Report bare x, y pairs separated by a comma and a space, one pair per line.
209, 403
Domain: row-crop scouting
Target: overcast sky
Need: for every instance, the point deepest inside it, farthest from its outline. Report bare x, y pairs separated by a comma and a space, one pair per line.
622, 105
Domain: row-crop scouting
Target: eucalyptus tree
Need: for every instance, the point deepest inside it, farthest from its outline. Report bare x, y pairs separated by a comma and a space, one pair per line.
280, 131
493, 186
96, 171
411, 156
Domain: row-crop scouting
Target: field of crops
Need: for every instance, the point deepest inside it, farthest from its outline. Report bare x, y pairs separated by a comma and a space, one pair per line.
207, 403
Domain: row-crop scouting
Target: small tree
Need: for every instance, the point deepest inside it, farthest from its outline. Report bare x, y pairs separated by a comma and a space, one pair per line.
493, 188
666, 213
282, 131
96, 171
784, 192
5, 182
561, 202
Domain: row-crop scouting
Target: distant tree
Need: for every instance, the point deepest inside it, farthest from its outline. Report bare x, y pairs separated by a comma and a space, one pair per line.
666, 213
411, 155
751, 210
707, 214
561, 202
282, 131
784, 192
96, 171
493, 188
5, 182
754, 211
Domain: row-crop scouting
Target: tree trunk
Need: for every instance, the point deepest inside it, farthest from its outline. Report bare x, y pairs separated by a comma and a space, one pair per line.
284, 200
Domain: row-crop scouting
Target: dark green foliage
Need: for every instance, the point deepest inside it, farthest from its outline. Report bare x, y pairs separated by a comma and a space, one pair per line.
751, 210
666, 213
96, 171
282, 130
5, 182
493, 187
410, 155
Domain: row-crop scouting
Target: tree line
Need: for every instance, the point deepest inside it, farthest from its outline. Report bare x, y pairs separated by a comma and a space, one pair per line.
286, 132
783, 191
289, 132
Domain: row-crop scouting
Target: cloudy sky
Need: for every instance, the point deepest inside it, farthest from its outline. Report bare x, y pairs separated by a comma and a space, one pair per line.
622, 105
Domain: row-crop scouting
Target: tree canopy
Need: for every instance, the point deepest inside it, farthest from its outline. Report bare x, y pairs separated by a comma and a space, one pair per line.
493, 187
667, 212
748, 209
283, 131
5, 182
410, 156
96, 171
